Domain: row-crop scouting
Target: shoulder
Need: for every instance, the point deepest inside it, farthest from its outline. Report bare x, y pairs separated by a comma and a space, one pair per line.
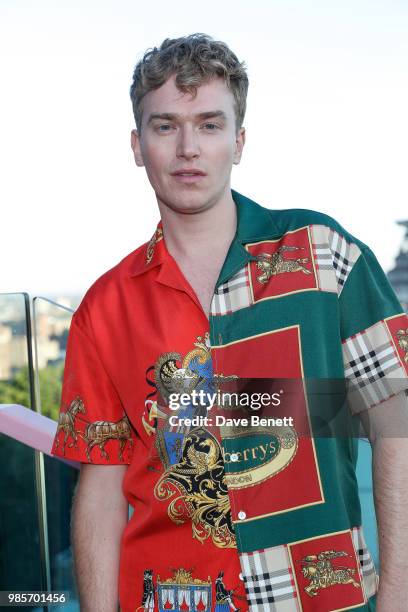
320, 223
107, 290
295, 218
333, 248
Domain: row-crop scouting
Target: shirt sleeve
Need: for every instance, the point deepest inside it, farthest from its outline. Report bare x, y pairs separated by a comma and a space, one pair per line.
374, 334
93, 426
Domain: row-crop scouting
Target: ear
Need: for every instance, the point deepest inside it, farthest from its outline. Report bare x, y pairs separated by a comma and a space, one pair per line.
135, 144
239, 145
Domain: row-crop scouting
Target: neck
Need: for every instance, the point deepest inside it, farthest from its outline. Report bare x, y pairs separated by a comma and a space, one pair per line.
212, 230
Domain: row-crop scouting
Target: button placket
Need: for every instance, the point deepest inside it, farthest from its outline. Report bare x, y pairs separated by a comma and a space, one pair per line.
217, 369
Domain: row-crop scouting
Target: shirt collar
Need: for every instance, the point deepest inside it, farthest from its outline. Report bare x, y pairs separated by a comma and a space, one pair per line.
254, 223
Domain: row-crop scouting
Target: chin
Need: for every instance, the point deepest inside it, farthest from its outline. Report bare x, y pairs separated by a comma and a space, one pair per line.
188, 203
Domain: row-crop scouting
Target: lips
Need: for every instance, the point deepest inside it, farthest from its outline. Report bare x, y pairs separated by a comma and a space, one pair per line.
188, 172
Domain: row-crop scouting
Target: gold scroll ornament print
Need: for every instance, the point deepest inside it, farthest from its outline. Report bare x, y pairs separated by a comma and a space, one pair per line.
199, 491
193, 481
157, 236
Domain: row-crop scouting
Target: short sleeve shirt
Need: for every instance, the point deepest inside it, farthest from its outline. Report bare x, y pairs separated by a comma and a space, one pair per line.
262, 518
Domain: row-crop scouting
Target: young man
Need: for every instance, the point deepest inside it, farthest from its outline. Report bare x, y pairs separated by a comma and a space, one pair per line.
229, 517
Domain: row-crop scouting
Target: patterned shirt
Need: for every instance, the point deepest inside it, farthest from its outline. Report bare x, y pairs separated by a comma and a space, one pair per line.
263, 517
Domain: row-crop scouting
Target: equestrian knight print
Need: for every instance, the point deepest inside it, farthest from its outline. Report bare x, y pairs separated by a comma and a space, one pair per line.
397, 327
327, 573
283, 266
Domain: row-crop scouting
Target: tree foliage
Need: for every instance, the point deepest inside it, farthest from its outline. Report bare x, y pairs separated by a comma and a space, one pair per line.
16, 390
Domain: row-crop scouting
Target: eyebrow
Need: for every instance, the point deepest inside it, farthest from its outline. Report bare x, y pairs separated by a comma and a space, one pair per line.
175, 116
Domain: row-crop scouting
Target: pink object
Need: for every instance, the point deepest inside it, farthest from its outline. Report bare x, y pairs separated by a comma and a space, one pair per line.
30, 428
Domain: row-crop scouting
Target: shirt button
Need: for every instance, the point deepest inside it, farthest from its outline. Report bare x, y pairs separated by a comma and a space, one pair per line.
234, 457
240, 576
241, 515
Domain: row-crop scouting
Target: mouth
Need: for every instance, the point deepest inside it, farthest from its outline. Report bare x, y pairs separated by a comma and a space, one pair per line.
188, 176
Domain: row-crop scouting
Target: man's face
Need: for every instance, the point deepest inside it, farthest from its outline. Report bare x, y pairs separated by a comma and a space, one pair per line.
179, 134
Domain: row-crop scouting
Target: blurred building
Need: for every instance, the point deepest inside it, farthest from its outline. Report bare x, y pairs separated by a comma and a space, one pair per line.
13, 351
51, 323
398, 276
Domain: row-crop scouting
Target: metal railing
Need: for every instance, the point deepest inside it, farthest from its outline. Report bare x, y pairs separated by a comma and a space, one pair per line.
32, 352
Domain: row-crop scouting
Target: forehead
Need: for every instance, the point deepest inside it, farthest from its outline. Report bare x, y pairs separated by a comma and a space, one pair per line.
169, 99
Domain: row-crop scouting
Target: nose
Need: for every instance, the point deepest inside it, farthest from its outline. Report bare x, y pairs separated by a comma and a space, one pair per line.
187, 144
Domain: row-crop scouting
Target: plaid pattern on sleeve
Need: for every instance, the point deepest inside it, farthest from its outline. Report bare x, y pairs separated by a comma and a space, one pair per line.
374, 335
368, 571
373, 367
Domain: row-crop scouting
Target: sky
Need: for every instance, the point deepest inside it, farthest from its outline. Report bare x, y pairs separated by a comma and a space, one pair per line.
326, 123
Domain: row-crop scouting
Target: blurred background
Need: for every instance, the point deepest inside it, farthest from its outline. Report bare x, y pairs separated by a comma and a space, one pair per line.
327, 129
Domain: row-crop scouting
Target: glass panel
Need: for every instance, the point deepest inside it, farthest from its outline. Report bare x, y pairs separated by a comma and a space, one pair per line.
20, 558
51, 327
365, 487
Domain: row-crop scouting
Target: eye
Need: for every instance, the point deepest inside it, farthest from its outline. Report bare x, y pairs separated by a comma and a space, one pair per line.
164, 127
211, 126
